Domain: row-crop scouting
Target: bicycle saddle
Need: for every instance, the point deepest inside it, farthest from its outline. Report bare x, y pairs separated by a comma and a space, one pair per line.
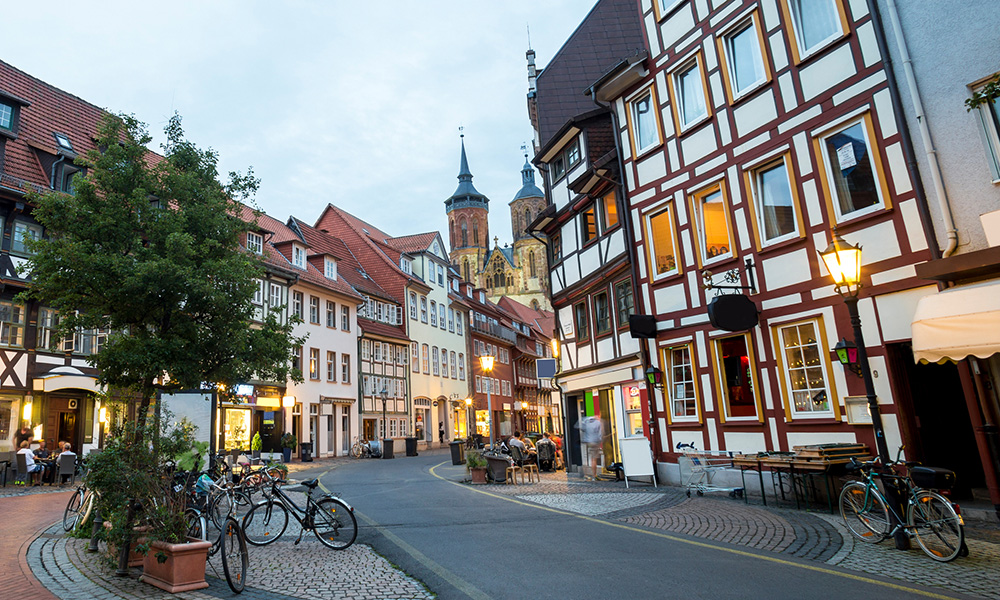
311, 484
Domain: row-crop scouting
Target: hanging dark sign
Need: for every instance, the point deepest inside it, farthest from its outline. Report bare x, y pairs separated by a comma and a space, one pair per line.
642, 326
733, 312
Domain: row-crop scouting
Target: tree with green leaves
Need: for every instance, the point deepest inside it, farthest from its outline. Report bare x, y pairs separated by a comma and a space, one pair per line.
148, 247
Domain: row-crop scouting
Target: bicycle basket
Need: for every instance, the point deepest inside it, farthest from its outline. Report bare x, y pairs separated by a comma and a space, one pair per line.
932, 477
203, 485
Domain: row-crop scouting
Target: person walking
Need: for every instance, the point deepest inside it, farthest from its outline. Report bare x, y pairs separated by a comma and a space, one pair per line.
592, 434
441, 431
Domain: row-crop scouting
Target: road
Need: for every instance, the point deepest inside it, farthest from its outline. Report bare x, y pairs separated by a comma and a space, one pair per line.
466, 542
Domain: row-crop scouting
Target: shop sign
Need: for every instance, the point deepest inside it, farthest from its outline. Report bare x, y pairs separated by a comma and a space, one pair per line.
269, 417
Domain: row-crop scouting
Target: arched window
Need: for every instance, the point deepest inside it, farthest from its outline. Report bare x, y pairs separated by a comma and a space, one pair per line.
497, 281
510, 281
534, 304
453, 240
531, 263
527, 218
465, 269
475, 232
465, 233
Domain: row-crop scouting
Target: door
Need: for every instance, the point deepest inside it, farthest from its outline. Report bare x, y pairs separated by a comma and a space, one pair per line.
330, 436
345, 437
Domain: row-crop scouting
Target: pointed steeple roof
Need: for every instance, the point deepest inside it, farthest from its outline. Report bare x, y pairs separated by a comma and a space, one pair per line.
528, 187
466, 194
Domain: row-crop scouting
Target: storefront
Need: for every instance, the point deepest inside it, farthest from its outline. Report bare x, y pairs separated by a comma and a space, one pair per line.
257, 410
61, 408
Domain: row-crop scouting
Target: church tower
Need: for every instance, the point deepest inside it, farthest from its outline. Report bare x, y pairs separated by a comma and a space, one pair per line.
529, 252
468, 226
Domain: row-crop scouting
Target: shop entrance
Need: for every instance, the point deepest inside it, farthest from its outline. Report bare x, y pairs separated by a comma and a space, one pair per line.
62, 421
268, 424
934, 418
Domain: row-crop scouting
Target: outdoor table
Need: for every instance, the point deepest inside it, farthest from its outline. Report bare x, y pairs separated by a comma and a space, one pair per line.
793, 466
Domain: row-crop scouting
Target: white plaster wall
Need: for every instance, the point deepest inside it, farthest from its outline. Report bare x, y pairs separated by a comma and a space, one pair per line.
787, 269
826, 71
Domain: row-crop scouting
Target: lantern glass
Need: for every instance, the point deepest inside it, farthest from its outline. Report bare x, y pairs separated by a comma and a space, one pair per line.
653, 376
843, 261
555, 348
842, 355
486, 361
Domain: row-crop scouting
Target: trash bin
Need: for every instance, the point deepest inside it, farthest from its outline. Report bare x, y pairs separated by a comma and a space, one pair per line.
306, 449
387, 448
457, 452
411, 446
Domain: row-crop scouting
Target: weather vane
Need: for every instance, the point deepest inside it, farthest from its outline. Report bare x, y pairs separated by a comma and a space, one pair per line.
524, 148
461, 131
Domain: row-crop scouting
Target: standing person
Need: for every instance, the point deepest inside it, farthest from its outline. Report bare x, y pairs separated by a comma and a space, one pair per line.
592, 434
25, 433
441, 431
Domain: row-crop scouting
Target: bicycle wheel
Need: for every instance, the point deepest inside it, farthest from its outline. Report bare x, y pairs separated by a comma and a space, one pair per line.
234, 555
196, 524
864, 513
356, 450
334, 524
85, 510
72, 513
219, 507
936, 525
265, 523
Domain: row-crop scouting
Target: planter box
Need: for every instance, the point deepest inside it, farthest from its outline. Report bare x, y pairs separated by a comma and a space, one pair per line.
184, 569
478, 475
134, 558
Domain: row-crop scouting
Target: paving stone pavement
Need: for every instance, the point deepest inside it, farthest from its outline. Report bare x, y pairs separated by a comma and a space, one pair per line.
805, 534
279, 571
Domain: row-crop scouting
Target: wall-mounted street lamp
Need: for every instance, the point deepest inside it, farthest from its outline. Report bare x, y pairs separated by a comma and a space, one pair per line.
654, 377
288, 401
847, 354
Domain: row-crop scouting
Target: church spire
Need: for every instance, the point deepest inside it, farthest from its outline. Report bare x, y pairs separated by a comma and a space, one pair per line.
464, 174
466, 194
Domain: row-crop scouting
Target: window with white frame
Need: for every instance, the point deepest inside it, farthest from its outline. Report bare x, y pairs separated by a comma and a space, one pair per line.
440, 271
989, 118
444, 363
744, 61
805, 369
24, 231
423, 309
624, 302
644, 121
377, 351
413, 305
314, 310
48, 324
345, 317
90, 341
258, 294
454, 365
297, 300
690, 93
415, 357
345, 368
461, 366
299, 257
255, 243
680, 381
6, 116
816, 23
331, 314
425, 358
434, 314
330, 268
566, 160
712, 224
451, 319
458, 323
331, 366
441, 316
663, 7
274, 296
662, 249
297, 358
314, 363
774, 202
436, 361
366, 349
852, 171
479, 385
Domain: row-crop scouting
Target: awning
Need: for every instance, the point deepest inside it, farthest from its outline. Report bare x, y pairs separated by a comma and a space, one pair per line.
958, 323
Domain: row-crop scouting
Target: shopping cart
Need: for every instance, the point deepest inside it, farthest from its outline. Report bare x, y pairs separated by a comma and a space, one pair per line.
699, 468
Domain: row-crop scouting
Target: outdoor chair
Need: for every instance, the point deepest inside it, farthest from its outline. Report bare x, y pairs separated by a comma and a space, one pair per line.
497, 467
67, 467
546, 456
522, 466
7, 464
23, 476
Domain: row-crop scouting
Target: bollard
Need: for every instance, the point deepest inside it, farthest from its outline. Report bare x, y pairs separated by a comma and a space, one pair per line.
95, 530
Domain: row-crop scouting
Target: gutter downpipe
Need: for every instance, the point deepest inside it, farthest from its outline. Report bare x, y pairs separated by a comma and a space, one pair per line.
626, 221
52, 177
935, 169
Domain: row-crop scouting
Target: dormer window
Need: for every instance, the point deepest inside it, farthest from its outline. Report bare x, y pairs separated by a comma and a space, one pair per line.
299, 257
69, 173
566, 160
255, 243
64, 143
406, 265
330, 268
6, 116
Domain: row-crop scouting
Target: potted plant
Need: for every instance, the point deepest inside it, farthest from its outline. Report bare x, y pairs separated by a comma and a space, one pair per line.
288, 443
476, 464
255, 445
136, 495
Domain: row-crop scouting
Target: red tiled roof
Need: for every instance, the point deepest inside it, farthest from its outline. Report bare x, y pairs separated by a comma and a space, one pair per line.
51, 110
382, 329
542, 320
413, 243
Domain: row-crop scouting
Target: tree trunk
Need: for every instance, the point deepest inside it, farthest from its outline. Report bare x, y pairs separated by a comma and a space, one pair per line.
137, 442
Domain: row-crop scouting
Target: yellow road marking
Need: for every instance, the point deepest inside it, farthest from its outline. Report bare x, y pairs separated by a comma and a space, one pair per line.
457, 582
673, 538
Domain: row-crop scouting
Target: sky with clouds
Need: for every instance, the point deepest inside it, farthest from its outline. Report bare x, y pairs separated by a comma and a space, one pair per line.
352, 103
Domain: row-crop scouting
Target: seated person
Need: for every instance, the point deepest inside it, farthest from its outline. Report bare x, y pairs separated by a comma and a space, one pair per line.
43, 450
34, 469
67, 451
518, 441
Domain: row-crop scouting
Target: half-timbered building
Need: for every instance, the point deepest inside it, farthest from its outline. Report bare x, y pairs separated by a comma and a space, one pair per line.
752, 130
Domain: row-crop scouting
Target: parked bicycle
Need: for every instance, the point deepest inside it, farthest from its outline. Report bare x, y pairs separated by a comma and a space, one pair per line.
930, 517
363, 448
231, 543
329, 518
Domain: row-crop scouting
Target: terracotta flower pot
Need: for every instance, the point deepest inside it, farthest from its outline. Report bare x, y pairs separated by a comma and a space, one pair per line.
478, 474
134, 558
184, 569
